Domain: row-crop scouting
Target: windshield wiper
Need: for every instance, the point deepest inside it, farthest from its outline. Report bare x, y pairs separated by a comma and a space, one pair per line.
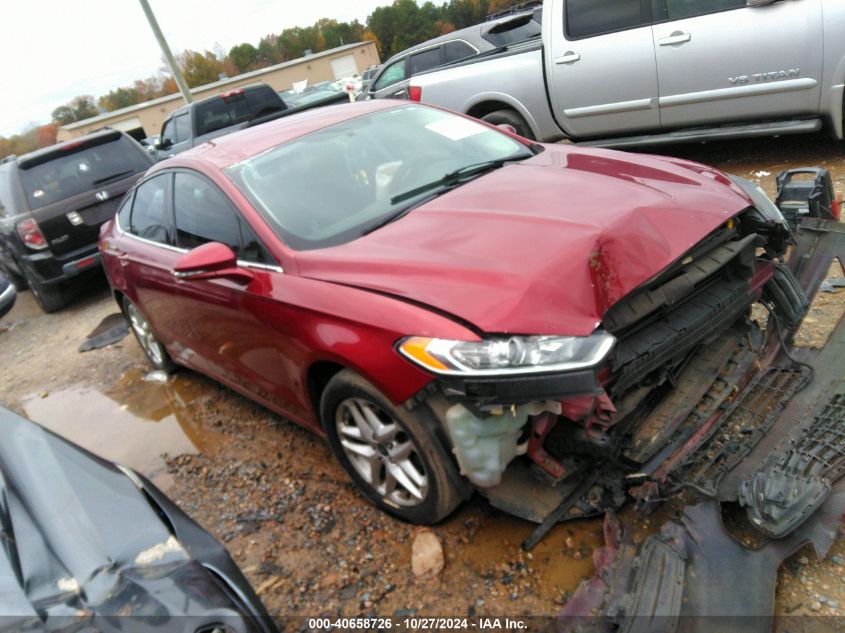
456, 177
119, 174
401, 213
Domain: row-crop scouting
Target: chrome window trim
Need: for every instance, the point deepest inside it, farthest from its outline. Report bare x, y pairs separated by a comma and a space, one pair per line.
144, 240
176, 249
259, 266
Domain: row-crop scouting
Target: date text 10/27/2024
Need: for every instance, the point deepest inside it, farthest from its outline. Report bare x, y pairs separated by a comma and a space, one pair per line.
417, 624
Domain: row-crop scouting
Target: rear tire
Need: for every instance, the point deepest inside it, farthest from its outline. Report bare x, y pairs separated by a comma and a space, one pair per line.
151, 346
18, 280
510, 117
50, 297
392, 454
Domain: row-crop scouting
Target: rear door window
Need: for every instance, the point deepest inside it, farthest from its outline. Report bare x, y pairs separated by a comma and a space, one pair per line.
73, 170
124, 212
425, 60
150, 218
586, 18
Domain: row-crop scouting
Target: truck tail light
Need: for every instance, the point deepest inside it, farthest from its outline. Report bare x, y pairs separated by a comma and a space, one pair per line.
836, 209
232, 94
31, 235
415, 93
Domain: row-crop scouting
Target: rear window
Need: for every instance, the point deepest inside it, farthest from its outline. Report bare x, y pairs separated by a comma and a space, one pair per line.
73, 171
238, 107
517, 30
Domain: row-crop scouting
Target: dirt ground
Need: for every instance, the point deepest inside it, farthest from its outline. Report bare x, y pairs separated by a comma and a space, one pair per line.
308, 542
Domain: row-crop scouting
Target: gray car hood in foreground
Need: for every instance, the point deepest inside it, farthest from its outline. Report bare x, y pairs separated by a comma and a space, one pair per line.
81, 543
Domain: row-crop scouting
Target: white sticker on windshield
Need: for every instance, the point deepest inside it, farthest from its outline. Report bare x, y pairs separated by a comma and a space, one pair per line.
455, 128
37, 193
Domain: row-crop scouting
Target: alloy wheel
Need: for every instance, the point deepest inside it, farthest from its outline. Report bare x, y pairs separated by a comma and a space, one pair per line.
382, 453
148, 341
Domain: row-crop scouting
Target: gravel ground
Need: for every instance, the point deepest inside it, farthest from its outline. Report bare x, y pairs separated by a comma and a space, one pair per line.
287, 512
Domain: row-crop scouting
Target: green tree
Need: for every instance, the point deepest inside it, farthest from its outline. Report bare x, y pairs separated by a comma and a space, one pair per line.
119, 98
200, 68
244, 56
79, 108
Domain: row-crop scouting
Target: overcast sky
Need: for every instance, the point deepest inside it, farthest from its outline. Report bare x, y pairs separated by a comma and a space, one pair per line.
54, 50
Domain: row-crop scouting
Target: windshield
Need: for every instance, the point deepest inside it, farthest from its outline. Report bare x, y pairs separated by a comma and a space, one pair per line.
333, 185
76, 171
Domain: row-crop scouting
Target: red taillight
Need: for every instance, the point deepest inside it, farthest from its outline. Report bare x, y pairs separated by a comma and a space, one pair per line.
82, 263
415, 93
31, 234
238, 92
836, 209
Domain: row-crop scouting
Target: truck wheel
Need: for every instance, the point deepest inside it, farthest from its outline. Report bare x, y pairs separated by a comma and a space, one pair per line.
51, 298
512, 118
391, 454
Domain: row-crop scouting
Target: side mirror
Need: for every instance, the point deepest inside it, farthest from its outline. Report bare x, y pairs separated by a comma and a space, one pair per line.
210, 261
163, 143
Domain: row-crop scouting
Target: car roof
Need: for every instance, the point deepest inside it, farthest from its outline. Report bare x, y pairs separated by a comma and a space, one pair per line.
473, 35
238, 146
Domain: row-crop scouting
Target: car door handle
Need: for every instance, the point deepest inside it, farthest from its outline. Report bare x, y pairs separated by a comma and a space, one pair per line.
678, 37
568, 58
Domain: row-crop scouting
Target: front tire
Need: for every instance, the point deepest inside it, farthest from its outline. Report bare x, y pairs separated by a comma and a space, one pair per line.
152, 347
392, 455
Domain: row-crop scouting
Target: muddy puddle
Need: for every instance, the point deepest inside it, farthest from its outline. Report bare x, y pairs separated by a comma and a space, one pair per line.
559, 563
140, 418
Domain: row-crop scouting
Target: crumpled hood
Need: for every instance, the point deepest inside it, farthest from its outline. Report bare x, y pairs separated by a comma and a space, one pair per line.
540, 247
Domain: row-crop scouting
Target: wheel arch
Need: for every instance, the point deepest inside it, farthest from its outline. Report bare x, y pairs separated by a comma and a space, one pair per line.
317, 378
484, 104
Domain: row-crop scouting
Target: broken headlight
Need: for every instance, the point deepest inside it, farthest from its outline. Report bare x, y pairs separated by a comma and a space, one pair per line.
507, 355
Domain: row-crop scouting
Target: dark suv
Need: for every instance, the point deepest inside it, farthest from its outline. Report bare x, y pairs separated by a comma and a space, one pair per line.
52, 203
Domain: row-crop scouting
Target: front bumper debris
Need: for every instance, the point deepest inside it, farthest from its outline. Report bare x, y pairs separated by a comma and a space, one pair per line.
775, 445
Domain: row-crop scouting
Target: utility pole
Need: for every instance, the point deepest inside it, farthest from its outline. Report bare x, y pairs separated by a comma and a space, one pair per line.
165, 49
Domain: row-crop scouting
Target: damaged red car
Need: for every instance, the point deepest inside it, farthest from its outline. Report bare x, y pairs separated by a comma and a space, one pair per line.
456, 308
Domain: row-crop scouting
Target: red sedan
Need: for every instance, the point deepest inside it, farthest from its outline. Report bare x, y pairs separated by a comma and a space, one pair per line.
446, 302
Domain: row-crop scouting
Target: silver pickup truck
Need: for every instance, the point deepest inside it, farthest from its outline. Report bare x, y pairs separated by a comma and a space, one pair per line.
636, 72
